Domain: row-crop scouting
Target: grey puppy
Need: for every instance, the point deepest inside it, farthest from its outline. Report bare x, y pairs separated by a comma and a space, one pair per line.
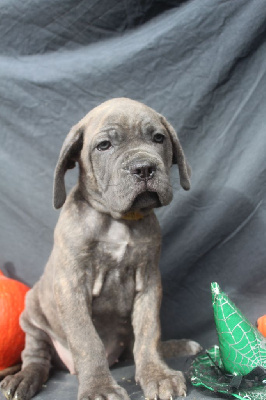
100, 294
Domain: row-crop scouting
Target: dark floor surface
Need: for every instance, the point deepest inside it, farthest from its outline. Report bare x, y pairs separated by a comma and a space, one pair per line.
63, 386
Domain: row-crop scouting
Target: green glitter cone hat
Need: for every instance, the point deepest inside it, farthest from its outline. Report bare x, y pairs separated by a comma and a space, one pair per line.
238, 366
242, 346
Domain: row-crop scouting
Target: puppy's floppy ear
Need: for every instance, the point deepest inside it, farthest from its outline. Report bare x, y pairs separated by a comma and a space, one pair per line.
67, 159
178, 156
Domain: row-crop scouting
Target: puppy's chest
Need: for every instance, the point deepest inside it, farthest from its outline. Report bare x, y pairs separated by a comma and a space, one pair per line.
114, 278
119, 266
119, 259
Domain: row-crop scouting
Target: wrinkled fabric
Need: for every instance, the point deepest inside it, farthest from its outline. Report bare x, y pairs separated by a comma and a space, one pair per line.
202, 64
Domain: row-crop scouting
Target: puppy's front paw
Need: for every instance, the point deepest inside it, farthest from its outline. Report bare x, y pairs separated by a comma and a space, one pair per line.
25, 384
104, 392
159, 381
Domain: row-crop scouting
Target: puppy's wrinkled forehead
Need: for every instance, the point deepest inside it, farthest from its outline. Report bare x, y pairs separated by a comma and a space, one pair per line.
122, 114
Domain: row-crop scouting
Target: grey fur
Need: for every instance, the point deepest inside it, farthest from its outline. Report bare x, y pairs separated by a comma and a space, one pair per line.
101, 286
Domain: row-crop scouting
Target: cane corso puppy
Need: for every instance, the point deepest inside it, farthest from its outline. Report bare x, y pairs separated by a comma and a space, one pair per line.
100, 294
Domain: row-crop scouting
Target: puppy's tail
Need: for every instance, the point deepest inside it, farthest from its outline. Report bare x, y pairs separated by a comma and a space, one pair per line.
10, 371
179, 348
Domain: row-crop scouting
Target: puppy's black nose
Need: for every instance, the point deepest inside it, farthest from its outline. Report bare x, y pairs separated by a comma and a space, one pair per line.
143, 171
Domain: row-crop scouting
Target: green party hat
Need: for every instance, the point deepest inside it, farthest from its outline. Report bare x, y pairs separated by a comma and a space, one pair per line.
238, 366
242, 346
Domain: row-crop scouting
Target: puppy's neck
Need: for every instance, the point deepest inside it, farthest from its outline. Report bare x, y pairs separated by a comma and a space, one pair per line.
95, 200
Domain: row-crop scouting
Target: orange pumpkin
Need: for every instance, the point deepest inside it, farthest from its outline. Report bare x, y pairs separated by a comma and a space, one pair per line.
12, 338
261, 323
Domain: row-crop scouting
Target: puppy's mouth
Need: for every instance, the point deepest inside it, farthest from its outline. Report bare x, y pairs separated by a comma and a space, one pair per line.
146, 200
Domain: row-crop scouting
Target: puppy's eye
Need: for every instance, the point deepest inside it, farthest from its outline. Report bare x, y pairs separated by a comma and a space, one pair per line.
105, 145
158, 138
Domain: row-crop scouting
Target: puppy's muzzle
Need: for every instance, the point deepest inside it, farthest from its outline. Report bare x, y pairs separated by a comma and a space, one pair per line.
143, 170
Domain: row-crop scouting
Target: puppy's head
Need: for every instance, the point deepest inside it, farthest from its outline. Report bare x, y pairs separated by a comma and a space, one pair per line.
125, 151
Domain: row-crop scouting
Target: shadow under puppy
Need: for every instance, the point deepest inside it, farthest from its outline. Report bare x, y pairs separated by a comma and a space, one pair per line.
100, 293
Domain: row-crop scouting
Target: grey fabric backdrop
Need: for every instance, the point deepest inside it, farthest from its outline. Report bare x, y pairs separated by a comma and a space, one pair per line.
202, 63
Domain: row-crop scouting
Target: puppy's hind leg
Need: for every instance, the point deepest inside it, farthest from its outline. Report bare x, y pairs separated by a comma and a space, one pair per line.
35, 368
179, 348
